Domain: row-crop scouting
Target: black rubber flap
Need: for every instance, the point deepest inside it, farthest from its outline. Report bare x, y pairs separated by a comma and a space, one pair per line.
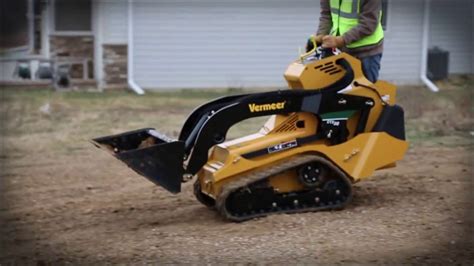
391, 121
150, 154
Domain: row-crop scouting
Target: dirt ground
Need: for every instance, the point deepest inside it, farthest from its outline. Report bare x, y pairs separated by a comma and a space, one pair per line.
64, 201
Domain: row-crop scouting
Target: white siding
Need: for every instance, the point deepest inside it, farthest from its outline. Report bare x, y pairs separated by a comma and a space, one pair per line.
114, 21
212, 43
452, 29
401, 60
215, 43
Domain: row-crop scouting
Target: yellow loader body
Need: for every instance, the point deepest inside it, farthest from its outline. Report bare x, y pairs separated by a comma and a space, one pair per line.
332, 128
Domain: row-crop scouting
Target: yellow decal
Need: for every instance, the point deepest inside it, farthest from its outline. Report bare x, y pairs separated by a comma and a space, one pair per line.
266, 107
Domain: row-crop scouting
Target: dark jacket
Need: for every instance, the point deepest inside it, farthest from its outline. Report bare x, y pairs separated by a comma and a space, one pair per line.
368, 22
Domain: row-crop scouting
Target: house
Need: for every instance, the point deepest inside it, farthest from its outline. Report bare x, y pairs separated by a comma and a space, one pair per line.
169, 44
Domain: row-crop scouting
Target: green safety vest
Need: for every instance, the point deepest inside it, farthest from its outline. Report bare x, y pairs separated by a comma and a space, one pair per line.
345, 16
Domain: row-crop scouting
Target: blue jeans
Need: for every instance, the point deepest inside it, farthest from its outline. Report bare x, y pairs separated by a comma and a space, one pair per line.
371, 67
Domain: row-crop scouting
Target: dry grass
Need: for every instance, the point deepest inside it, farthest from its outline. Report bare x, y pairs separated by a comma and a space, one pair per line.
66, 121
51, 122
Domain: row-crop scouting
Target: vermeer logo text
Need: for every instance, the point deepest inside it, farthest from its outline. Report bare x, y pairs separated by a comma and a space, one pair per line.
266, 107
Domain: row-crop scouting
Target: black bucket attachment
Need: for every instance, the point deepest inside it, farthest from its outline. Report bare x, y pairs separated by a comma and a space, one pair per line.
150, 154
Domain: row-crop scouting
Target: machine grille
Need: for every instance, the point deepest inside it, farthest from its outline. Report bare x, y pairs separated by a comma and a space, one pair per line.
329, 68
288, 125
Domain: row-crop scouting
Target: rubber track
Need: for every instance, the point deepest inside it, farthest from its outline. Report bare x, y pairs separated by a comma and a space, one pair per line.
287, 164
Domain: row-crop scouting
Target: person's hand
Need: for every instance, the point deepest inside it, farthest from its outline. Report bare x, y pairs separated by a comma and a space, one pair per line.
318, 39
330, 41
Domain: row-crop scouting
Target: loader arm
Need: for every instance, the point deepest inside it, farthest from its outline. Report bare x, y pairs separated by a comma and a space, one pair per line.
198, 117
214, 128
208, 125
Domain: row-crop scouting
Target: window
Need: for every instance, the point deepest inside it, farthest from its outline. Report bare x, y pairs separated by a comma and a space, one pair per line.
384, 14
14, 24
72, 15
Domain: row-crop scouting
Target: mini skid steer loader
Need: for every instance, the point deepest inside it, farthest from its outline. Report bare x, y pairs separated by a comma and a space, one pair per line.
332, 128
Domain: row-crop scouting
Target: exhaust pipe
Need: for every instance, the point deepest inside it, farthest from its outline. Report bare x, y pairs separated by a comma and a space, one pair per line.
150, 154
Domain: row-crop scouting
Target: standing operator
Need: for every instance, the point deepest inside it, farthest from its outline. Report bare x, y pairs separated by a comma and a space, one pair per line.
354, 26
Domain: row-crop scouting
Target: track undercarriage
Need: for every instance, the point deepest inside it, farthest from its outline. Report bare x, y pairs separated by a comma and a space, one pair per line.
251, 196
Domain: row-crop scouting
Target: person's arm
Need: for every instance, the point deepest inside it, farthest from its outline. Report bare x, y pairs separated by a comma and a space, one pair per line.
325, 21
368, 21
